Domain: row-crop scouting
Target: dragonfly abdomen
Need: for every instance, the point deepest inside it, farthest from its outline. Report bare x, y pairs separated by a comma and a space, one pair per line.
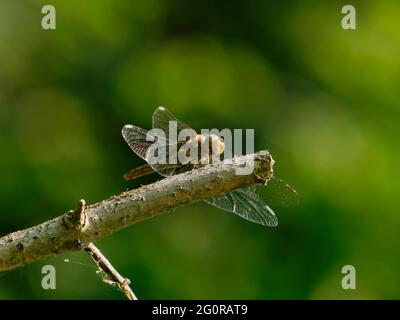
138, 172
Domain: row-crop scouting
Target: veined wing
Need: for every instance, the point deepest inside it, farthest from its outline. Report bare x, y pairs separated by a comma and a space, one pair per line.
247, 205
140, 140
277, 193
162, 118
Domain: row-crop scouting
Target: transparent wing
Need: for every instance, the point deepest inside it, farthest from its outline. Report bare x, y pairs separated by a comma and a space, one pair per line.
278, 193
247, 205
161, 120
167, 170
140, 140
162, 117
135, 137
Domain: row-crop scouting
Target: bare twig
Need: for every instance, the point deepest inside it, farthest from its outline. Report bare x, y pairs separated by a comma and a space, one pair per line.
76, 229
113, 276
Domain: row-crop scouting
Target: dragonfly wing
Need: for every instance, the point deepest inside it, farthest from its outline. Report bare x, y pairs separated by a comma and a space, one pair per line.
140, 140
135, 137
277, 193
162, 118
168, 169
247, 205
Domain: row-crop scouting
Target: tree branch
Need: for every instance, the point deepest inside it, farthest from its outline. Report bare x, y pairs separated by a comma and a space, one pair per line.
75, 229
113, 277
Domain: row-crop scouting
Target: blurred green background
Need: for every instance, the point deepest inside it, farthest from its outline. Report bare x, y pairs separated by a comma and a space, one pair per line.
323, 100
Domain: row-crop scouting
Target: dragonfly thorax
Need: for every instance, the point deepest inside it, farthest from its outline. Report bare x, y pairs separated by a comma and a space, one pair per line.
201, 148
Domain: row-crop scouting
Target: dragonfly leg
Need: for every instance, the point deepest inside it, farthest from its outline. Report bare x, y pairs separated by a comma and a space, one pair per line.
261, 180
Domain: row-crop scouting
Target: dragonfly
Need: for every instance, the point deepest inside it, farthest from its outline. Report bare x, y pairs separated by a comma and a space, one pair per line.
246, 202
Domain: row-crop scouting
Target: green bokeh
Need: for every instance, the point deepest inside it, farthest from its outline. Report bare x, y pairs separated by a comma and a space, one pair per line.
323, 100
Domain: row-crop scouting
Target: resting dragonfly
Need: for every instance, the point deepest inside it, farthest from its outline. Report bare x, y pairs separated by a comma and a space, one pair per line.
245, 202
